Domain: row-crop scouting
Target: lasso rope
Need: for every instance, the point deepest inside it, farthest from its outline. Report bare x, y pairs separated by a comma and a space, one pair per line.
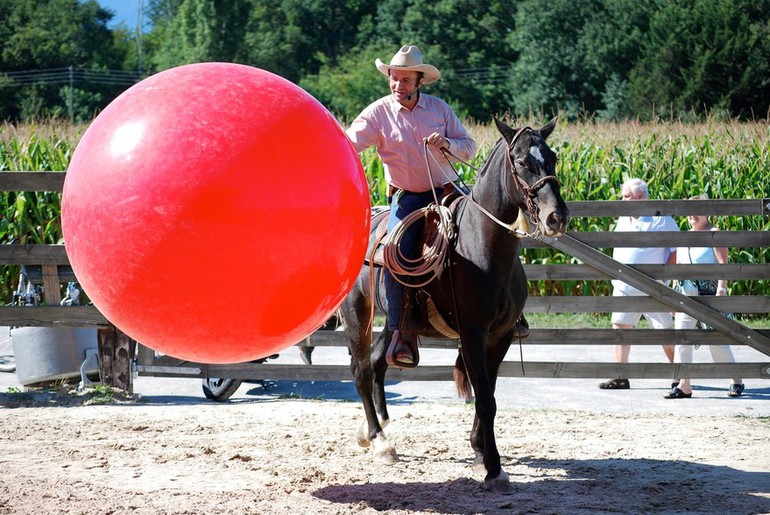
432, 258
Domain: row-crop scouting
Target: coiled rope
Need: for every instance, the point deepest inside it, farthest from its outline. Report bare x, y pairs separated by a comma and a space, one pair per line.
432, 257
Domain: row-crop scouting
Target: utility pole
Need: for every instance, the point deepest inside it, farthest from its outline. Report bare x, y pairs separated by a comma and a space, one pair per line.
71, 96
139, 27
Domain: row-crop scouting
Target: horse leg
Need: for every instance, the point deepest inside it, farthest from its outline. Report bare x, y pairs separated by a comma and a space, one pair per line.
483, 432
370, 434
495, 353
380, 366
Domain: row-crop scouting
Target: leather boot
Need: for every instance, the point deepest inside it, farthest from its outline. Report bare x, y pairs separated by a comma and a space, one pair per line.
402, 351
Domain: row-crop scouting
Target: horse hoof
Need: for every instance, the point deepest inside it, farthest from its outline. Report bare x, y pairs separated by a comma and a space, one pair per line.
386, 456
362, 436
500, 484
383, 452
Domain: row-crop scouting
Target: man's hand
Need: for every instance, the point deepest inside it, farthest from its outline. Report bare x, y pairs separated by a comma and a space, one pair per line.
438, 141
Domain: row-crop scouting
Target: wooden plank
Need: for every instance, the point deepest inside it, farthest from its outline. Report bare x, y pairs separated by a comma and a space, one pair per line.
635, 370
673, 299
33, 255
56, 254
615, 208
587, 304
579, 272
54, 181
31, 181
50, 316
611, 239
564, 336
609, 336
268, 371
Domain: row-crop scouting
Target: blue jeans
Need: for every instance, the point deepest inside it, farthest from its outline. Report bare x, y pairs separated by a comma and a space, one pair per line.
404, 203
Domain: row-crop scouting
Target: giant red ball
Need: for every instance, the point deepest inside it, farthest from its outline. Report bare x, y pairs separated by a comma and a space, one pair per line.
215, 212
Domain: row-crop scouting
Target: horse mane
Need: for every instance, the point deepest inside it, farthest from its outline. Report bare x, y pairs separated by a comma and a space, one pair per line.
492, 155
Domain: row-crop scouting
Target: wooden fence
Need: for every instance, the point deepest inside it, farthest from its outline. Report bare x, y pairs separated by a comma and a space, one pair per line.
118, 362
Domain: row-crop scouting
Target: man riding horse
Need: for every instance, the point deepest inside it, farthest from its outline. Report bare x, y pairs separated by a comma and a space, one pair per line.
402, 126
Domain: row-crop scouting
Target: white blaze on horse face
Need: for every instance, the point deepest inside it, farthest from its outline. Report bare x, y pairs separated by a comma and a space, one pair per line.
535, 152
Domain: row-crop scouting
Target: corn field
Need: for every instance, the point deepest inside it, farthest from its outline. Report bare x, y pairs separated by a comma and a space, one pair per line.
725, 160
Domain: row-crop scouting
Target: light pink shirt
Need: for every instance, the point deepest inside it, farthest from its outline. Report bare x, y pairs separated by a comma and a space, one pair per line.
398, 135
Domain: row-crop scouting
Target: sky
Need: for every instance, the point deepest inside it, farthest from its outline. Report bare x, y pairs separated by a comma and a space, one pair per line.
125, 11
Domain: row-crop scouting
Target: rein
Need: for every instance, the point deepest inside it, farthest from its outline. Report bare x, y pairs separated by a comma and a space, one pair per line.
431, 261
529, 192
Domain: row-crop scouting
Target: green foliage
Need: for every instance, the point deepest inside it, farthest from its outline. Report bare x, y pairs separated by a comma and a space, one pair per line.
201, 30
347, 88
605, 59
704, 56
575, 56
52, 34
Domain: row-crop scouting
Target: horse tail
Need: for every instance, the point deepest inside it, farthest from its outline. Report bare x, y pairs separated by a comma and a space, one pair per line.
462, 382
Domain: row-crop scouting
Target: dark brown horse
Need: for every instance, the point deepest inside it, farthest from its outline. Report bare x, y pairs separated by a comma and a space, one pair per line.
480, 292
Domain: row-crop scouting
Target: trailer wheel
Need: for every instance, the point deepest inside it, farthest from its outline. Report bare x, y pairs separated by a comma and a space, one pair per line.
218, 389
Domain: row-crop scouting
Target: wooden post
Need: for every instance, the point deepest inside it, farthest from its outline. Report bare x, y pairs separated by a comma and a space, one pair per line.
51, 291
116, 352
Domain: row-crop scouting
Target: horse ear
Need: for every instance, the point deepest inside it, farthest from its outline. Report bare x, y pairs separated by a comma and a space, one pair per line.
547, 129
507, 132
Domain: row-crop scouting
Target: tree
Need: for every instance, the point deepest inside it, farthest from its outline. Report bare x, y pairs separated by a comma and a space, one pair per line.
465, 39
194, 31
577, 56
352, 84
296, 38
705, 56
53, 35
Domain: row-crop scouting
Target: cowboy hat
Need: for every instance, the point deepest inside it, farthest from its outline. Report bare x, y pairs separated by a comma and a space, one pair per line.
409, 58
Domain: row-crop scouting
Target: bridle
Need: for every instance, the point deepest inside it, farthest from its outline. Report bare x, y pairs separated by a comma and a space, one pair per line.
527, 191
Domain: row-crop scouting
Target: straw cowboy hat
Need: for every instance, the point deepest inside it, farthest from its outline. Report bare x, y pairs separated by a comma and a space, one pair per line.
409, 58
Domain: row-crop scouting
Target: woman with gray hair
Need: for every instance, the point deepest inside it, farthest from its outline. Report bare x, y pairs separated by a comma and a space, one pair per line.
698, 255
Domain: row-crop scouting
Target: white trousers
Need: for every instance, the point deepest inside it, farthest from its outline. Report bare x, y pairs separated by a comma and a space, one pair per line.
719, 353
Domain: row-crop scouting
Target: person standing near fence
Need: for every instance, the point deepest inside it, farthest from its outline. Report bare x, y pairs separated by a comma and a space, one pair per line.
636, 189
700, 255
404, 125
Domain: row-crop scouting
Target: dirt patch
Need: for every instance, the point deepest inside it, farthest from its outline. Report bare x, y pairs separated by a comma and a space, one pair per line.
297, 456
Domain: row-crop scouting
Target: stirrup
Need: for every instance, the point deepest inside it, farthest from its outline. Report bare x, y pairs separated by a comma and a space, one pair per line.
413, 344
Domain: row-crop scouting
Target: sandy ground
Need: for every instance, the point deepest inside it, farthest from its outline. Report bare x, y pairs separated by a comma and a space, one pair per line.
62, 454
290, 448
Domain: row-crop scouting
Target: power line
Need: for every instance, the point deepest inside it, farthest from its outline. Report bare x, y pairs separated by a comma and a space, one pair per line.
70, 75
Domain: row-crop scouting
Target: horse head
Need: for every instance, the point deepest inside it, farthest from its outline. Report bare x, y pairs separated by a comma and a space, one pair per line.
530, 179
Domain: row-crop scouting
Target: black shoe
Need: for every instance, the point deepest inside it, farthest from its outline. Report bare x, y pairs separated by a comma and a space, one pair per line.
675, 384
676, 393
735, 390
615, 384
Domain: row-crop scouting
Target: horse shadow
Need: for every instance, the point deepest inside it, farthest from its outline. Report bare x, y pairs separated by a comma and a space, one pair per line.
319, 390
576, 486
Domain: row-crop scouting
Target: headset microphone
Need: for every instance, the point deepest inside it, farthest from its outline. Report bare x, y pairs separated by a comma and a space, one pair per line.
413, 93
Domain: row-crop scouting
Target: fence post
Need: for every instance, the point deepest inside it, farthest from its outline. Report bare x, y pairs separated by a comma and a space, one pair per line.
115, 357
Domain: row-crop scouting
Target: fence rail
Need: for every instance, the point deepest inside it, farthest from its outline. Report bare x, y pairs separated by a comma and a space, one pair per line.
46, 261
